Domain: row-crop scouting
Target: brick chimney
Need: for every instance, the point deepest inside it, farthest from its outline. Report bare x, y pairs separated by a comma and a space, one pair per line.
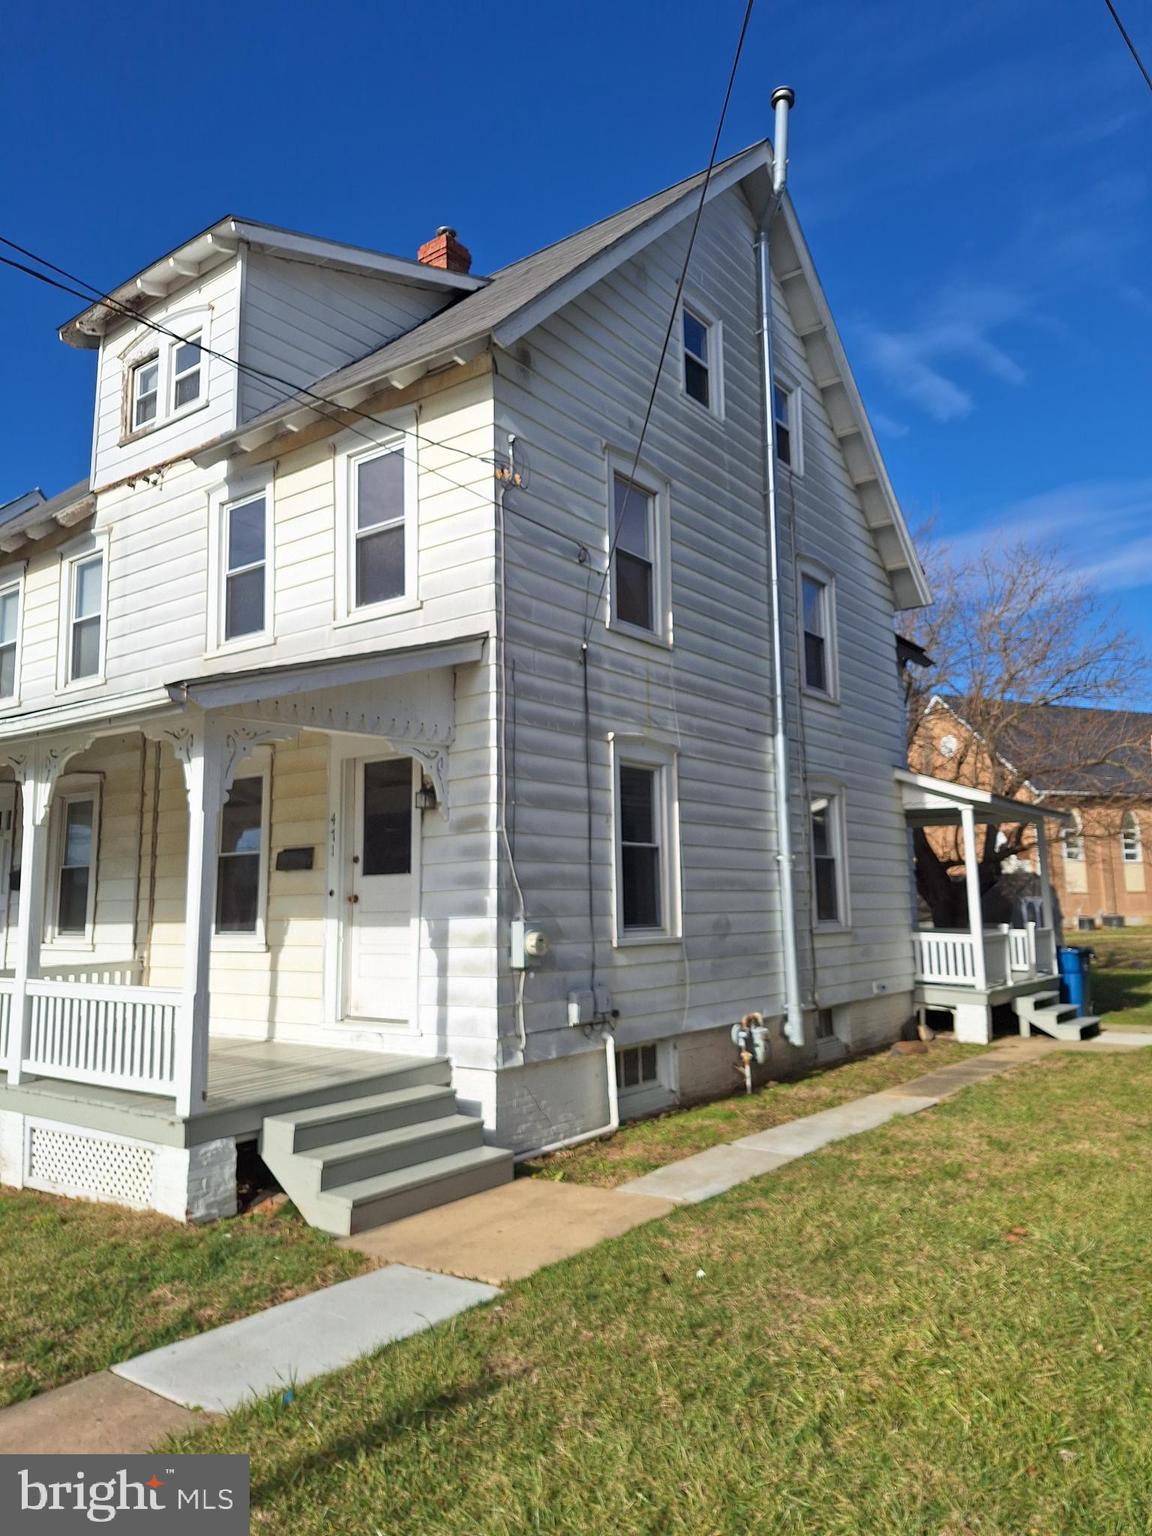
444, 250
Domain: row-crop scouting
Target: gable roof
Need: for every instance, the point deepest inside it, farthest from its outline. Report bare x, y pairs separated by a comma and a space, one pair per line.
1073, 749
522, 295
219, 243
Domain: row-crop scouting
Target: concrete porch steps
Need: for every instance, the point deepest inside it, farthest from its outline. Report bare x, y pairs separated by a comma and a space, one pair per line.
1045, 1011
377, 1157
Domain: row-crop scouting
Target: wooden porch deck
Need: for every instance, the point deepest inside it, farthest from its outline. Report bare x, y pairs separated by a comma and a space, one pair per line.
247, 1080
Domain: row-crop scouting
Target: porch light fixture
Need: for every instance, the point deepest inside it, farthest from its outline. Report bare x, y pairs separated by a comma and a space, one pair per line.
426, 796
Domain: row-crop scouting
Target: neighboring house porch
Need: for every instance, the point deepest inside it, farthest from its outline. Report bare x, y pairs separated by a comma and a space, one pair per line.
969, 972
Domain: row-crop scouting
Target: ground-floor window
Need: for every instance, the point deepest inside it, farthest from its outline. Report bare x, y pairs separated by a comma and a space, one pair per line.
241, 875
73, 891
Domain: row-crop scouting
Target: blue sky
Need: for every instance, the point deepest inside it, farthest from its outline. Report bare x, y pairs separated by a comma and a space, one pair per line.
973, 181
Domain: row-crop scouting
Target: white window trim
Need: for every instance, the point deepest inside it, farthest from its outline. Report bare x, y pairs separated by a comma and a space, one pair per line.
71, 787
642, 752
220, 502
350, 450
816, 572
715, 364
72, 555
655, 486
12, 580
1073, 837
1137, 843
795, 423
175, 375
258, 766
838, 824
151, 344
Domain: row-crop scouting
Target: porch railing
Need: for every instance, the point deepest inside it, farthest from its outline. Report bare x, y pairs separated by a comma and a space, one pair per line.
948, 956
101, 1032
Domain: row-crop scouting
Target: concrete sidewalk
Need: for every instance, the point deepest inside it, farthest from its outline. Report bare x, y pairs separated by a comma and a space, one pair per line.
444, 1261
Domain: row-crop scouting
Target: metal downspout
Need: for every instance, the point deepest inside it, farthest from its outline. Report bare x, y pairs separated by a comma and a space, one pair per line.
782, 99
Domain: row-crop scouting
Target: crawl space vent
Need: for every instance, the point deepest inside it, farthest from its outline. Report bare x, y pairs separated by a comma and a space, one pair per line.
67, 1162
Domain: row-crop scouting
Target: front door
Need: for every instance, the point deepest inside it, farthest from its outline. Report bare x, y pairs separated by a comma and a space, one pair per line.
379, 947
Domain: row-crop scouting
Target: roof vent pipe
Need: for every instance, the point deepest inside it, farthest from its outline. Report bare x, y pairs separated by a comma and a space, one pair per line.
782, 99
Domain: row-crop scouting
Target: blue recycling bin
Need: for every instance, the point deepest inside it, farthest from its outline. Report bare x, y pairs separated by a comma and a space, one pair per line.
1075, 977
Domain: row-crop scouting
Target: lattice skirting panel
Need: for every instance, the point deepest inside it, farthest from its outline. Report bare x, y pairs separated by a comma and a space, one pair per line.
67, 1160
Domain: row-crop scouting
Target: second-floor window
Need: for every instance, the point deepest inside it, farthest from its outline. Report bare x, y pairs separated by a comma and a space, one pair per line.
634, 560
827, 860
9, 639
245, 568
378, 528
86, 625
816, 616
145, 392
785, 411
697, 358
186, 360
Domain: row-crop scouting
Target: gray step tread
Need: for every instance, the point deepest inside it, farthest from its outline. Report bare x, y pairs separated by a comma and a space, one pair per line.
419, 1174
364, 1104
341, 1151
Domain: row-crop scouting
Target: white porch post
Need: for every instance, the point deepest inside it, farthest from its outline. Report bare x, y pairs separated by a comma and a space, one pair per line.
35, 796
972, 883
202, 756
1045, 876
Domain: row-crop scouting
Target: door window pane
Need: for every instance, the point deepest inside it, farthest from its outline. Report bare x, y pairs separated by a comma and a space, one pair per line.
633, 569
75, 866
640, 872
387, 829
238, 869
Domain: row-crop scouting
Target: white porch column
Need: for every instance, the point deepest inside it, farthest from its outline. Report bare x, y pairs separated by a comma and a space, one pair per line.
1045, 877
35, 797
972, 884
202, 756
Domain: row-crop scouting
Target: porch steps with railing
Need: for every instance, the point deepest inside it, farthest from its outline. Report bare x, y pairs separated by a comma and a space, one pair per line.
367, 1160
1045, 1011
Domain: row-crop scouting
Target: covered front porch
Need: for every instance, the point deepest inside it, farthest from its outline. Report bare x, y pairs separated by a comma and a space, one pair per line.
128, 867
970, 971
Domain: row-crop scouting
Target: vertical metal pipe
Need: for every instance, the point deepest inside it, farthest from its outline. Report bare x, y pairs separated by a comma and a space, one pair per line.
782, 100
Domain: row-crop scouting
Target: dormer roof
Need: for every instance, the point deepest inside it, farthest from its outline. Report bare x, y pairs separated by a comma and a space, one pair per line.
221, 241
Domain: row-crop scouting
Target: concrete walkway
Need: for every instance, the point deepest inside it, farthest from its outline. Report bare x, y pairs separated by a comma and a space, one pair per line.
444, 1261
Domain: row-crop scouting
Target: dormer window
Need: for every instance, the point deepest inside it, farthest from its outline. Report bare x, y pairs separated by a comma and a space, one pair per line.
145, 392
165, 373
186, 372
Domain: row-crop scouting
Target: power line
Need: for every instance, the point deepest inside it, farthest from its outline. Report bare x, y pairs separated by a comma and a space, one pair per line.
1132, 49
590, 619
95, 295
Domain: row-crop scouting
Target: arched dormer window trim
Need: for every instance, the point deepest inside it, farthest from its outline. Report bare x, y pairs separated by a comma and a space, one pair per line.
165, 377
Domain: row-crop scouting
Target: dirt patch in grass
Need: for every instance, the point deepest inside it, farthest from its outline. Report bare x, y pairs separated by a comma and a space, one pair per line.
939, 1328
646, 1144
84, 1285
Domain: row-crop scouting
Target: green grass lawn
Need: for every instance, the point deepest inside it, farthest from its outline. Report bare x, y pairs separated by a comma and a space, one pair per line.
646, 1144
82, 1285
937, 1329
1121, 975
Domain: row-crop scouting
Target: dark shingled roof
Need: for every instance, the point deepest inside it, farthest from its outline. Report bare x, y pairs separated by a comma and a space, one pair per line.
1084, 751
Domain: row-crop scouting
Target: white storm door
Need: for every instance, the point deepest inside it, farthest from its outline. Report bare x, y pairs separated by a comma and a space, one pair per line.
379, 946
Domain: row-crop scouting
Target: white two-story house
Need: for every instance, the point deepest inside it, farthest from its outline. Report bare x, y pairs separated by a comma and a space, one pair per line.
387, 759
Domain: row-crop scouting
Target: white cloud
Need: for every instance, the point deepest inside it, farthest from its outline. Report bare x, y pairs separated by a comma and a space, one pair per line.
1101, 525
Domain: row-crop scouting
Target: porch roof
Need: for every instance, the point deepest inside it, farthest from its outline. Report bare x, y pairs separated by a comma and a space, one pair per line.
930, 802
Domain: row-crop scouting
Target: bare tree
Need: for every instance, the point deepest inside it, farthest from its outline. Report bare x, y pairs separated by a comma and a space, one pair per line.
1014, 630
